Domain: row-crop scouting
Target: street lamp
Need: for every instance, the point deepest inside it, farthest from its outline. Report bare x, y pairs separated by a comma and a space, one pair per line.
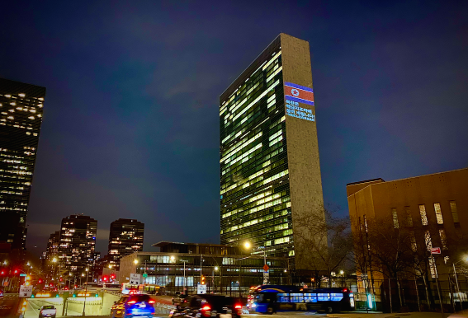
135, 261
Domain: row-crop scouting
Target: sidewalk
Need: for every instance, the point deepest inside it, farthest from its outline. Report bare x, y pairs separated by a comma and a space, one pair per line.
394, 315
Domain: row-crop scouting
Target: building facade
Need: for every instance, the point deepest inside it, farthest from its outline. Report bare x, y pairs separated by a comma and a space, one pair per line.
77, 244
125, 237
52, 251
20, 124
271, 189
225, 273
413, 215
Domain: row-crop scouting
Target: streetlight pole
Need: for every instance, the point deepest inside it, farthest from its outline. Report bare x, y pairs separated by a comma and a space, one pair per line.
458, 287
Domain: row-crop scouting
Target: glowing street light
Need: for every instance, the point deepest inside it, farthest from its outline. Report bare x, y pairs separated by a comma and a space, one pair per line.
135, 261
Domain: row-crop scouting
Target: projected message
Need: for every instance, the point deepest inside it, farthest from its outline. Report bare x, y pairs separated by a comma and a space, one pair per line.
294, 110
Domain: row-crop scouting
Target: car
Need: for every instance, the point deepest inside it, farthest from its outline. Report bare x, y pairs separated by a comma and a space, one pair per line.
208, 305
129, 306
179, 298
47, 311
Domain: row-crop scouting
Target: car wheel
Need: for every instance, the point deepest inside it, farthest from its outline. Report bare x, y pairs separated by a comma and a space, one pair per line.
329, 310
270, 311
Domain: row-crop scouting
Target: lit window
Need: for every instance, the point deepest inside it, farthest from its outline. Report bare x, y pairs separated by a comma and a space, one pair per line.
395, 219
438, 211
409, 219
443, 239
422, 211
428, 240
414, 245
453, 209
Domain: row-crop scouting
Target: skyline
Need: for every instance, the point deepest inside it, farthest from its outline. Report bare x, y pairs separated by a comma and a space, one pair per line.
132, 99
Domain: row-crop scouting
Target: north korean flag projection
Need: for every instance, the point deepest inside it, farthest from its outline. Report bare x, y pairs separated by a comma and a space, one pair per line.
299, 93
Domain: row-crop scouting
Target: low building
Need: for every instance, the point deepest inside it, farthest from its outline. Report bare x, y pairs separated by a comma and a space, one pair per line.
417, 214
225, 269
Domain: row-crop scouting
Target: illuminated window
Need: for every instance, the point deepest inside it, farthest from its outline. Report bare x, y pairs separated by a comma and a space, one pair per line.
438, 212
453, 209
396, 225
409, 219
422, 211
428, 240
414, 245
443, 238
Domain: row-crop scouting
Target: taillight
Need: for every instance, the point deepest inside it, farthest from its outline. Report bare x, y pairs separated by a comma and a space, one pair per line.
152, 301
345, 290
131, 302
206, 311
238, 306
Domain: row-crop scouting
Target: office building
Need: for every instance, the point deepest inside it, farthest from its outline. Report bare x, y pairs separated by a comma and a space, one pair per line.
77, 243
21, 107
271, 188
52, 251
226, 269
125, 237
418, 213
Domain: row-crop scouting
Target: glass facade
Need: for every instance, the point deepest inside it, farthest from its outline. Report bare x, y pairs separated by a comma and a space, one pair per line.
21, 108
225, 274
254, 192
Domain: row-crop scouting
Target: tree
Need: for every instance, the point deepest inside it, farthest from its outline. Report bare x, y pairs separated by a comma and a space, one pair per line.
328, 238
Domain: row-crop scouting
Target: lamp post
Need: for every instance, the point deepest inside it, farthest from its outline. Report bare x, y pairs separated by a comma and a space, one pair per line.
215, 269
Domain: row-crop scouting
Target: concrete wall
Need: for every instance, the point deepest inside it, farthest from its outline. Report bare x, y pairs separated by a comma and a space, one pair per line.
303, 154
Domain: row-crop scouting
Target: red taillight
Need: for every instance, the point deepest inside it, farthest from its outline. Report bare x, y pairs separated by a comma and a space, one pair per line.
238, 306
345, 290
131, 302
152, 301
206, 307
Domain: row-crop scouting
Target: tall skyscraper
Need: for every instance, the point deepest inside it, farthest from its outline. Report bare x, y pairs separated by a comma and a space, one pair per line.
125, 237
21, 108
52, 250
77, 243
270, 169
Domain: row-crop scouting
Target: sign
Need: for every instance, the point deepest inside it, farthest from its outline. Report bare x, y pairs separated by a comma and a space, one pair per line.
298, 99
145, 275
435, 250
266, 267
201, 289
22, 274
25, 291
266, 277
135, 279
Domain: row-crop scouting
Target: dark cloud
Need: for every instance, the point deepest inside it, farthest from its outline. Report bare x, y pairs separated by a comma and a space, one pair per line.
131, 114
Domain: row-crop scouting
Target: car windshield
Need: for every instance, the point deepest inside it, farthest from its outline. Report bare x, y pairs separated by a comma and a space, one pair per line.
48, 307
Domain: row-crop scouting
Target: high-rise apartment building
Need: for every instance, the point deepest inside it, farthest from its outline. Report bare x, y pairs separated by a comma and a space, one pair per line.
269, 165
52, 250
21, 108
77, 243
125, 237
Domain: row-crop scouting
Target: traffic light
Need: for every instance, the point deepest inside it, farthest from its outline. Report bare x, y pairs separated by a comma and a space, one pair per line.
61, 279
113, 276
2, 273
203, 281
105, 278
40, 281
16, 271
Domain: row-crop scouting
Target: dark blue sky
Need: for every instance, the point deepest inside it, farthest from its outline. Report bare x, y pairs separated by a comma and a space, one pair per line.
131, 113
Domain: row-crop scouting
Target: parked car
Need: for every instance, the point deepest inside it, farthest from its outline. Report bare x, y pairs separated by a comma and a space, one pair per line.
208, 305
129, 306
47, 311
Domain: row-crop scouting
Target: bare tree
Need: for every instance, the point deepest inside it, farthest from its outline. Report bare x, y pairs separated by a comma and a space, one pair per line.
328, 240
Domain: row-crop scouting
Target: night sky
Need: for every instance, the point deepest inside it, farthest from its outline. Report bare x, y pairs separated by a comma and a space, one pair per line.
131, 126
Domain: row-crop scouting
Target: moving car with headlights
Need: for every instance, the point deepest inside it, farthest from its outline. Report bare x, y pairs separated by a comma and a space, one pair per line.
47, 311
207, 305
129, 306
